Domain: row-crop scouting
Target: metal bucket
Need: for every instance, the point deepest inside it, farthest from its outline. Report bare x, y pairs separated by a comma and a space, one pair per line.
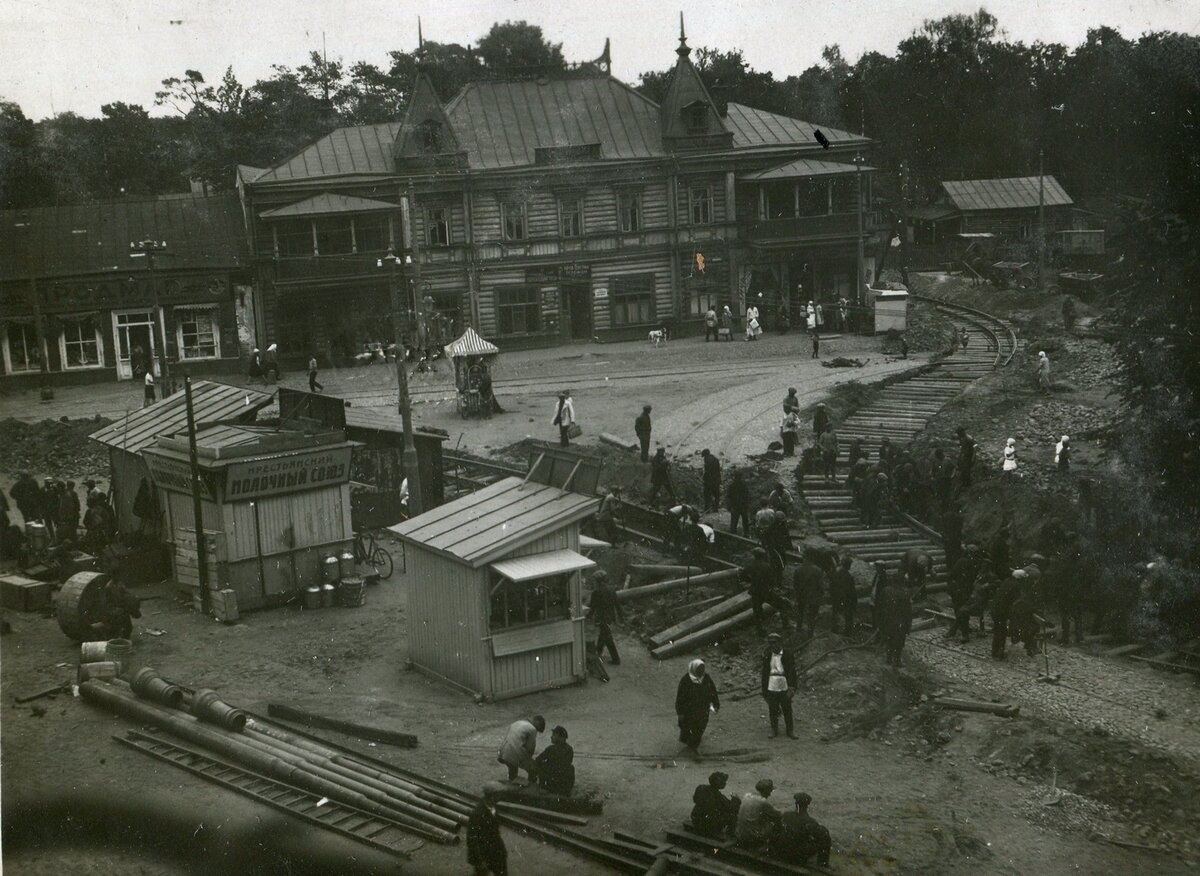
93, 652
120, 649
346, 565
352, 592
330, 569
39, 538
328, 596
312, 597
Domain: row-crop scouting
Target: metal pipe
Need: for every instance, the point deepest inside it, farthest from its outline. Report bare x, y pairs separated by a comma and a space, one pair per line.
116, 699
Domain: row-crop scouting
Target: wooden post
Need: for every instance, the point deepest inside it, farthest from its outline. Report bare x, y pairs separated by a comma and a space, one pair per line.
197, 504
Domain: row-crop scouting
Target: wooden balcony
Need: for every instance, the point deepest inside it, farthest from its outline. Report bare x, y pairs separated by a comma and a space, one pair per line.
801, 228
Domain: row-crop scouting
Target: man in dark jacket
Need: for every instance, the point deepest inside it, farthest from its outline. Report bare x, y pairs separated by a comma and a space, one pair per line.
961, 588
801, 836
605, 611
759, 576
820, 420
808, 583
712, 481
660, 476
555, 765
895, 620
966, 457
791, 404
28, 496
68, 512
641, 428
486, 852
778, 684
714, 814
1002, 608
737, 499
843, 596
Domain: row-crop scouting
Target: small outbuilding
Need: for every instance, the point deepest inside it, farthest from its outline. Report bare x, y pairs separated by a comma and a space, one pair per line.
495, 590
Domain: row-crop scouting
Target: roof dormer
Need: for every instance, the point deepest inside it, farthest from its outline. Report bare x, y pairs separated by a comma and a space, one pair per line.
426, 136
688, 117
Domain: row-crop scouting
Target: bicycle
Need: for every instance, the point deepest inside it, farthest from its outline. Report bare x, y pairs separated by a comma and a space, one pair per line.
367, 552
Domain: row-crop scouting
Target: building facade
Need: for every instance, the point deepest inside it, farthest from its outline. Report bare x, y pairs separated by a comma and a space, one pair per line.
82, 299
549, 210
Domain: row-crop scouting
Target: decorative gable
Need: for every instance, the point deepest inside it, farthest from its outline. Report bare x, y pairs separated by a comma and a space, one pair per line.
426, 138
688, 117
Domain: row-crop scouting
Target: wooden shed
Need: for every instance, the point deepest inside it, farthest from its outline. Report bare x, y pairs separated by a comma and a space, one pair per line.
274, 504
494, 600
128, 436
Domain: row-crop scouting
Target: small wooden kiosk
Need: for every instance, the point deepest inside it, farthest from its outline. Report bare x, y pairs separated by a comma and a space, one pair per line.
275, 504
495, 595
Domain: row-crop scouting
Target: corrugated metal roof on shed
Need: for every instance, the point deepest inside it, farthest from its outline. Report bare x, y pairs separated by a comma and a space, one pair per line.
483, 526
212, 403
542, 565
1011, 193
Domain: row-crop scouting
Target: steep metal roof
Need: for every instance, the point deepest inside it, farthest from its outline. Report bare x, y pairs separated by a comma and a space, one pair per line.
211, 402
483, 526
361, 149
798, 168
1011, 193
754, 127
326, 203
201, 232
501, 123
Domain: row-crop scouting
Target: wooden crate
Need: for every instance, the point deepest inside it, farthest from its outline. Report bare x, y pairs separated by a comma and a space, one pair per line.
24, 594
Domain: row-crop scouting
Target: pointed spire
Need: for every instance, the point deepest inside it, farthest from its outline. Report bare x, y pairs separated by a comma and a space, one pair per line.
683, 51
420, 36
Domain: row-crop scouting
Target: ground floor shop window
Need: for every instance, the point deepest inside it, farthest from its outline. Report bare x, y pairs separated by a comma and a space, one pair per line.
21, 350
197, 332
529, 602
79, 342
631, 300
518, 310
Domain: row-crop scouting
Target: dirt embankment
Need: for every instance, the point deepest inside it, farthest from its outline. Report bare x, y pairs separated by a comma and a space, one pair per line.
59, 448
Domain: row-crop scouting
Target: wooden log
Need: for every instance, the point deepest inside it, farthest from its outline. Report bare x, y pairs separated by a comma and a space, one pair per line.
609, 438
724, 609
923, 624
545, 814
371, 734
1122, 650
1178, 667
1004, 710
676, 583
575, 804
728, 851
660, 569
704, 636
50, 691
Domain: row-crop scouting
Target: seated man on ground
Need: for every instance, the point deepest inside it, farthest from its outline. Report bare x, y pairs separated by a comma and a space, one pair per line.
801, 836
555, 765
757, 819
714, 814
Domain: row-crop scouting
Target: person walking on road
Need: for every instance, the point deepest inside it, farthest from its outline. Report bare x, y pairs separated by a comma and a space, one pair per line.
737, 500
660, 475
753, 328
520, 742
486, 852
641, 428
695, 699
712, 481
604, 609
313, 385
777, 671
564, 417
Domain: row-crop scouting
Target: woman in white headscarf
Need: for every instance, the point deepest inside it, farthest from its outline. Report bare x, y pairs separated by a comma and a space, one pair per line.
695, 700
1043, 372
1008, 464
1062, 454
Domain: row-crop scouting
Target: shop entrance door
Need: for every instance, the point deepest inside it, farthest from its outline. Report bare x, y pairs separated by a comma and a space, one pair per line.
134, 333
578, 300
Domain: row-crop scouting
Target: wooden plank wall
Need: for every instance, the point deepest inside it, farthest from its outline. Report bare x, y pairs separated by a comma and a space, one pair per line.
715, 182
603, 273
447, 611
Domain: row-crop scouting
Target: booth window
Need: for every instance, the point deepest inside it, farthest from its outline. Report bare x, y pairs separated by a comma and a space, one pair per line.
529, 602
437, 226
21, 351
518, 310
702, 205
80, 342
629, 211
632, 300
197, 334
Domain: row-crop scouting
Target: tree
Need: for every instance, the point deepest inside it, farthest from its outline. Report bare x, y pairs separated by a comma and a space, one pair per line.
518, 45
24, 180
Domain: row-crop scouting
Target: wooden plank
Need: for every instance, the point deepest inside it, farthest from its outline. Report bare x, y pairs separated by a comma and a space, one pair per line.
727, 850
1122, 650
545, 814
700, 637
732, 605
310, 719
1004, 710
1181, 667
676, 583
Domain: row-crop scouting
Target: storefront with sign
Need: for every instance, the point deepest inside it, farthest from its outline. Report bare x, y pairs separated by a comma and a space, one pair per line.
274, 505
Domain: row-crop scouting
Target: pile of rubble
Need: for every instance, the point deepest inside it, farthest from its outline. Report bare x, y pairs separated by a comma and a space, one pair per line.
1049, 420
52, 447
1089, 363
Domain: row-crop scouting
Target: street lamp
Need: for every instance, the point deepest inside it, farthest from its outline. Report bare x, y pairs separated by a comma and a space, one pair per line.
411, 466
148, 249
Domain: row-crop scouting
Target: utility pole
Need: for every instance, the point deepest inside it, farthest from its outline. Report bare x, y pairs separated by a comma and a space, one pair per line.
1041, 241
39, 325
859, 260
404, 401
147, 249
197, 503
904, 205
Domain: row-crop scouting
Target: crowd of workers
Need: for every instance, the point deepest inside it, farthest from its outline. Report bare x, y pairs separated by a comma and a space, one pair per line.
52, 515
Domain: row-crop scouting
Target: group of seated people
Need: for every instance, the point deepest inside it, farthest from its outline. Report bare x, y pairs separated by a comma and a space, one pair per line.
757, 826
553, 769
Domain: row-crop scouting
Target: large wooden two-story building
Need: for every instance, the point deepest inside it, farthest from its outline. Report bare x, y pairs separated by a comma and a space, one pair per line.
541, 210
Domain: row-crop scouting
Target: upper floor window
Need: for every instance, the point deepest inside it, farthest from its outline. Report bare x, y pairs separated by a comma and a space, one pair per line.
702, 205
512, 220
570, 217
429, 136
629, 211
334, 236
695, 117
294, 237
371, 233
437, 226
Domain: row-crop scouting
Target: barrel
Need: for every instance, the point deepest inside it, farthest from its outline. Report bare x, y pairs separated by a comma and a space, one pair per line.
328, 596
99, 669
331, 569
39, 538
93, 652
312, 597
120, 650
352, 592
346, 565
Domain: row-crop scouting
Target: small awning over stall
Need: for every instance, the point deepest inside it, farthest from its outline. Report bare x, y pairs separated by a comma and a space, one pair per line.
471, 344
527, 568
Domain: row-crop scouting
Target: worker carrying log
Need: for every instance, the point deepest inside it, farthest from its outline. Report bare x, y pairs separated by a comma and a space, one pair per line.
555, 765
800, 836
714, 814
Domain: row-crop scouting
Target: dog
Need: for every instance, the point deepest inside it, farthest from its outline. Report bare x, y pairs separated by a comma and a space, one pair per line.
658, 336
